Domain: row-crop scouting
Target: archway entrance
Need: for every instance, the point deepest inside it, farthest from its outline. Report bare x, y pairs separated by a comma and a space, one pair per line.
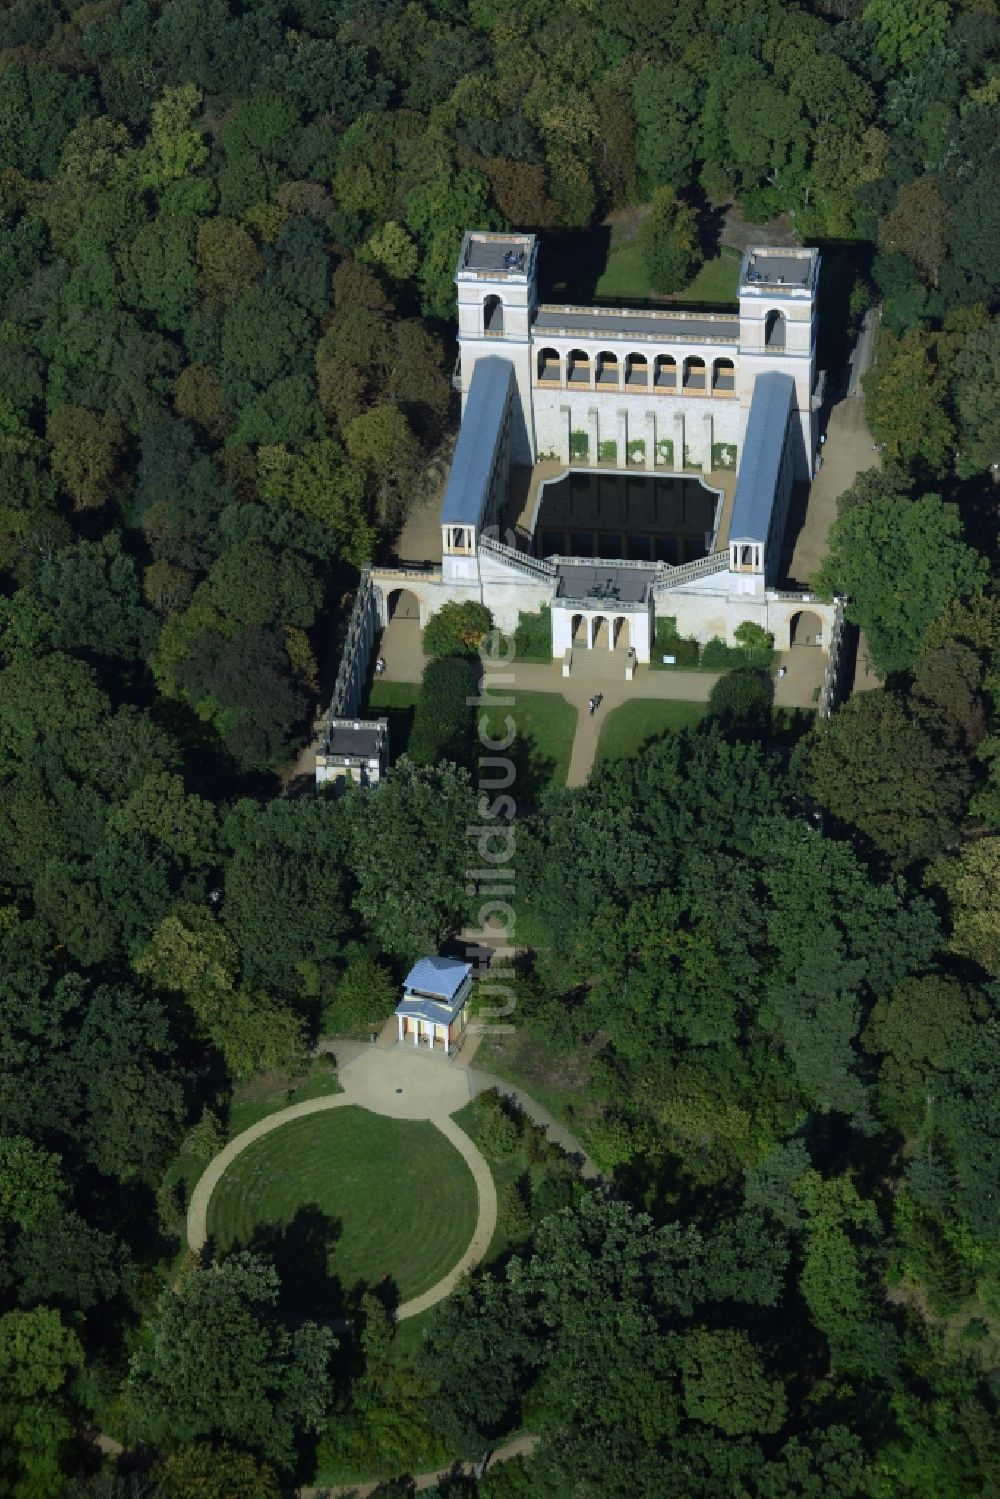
621, 633
601, 637
774, 330
401, 604
806, 628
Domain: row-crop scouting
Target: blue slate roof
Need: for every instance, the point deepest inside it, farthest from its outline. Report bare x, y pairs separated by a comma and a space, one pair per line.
427, 1009
465, 495
441, 978
760, 463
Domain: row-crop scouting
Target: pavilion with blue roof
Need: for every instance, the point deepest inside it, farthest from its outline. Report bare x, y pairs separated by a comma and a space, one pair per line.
432, 1008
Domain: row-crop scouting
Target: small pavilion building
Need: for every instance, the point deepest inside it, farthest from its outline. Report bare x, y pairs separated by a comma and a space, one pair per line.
432, 1009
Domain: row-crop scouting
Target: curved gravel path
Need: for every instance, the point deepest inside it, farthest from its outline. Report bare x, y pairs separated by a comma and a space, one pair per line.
197, 1214
377, 1089
401, 1083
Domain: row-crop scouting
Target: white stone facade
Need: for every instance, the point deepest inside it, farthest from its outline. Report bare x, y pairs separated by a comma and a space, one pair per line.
630, 377
665, 391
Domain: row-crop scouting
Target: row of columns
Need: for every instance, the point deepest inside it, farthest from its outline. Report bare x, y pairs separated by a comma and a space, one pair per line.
589, 621
649, 386
643, 429
426, 1030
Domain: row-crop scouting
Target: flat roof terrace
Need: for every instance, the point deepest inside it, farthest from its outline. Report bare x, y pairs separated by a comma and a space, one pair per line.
605, 584
497, 254
613, 322
764, 268
359, 740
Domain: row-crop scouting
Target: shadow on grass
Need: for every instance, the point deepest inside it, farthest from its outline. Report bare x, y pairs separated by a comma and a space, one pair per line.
300, 1252
571, 262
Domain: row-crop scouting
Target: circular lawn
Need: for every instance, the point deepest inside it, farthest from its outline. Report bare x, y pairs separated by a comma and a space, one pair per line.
401, 1200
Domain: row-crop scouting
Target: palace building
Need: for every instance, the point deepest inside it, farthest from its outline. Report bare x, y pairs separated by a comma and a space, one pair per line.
616, 466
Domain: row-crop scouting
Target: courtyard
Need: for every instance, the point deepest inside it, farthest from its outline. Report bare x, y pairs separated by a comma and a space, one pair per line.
652, 696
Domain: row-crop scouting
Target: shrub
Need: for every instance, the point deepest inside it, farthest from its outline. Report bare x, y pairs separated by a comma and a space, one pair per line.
515, 1206
499, 1130
756, 641
533, 636
637, 450
457, 629
442, 719
365, 996
667, 642
690, 462
607, 452
579, 445
723, 455
741, 701
207, 1137
718, 656
559, 1188
665, 451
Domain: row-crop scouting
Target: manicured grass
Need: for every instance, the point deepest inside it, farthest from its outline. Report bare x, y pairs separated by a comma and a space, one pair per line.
624, 275
628, 728
395, 701
378, 1197
545, 724
625, 278
393, 694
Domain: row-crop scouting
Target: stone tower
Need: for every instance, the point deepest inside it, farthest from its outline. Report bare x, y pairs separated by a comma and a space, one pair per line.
778, 321
497, 300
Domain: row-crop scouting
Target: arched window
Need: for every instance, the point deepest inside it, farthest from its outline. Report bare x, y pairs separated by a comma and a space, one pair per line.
694, 373
774, 330
578, 368
636, 372
724, 376
664, 372
607, 369
549, 366
492, 315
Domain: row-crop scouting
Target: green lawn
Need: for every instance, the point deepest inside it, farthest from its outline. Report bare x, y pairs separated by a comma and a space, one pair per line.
351, 1195
789, 724
628, 728
625, 278
396, 702
546, 725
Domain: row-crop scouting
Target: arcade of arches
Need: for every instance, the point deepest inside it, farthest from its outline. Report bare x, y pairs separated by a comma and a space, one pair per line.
601, 632
634, 372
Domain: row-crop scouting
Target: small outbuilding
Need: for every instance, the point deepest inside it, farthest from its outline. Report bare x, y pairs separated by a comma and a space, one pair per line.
432, 1008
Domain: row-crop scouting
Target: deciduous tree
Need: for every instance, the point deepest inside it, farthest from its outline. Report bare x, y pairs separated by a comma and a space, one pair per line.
879, 771
900, 564
668, 240
219, 1363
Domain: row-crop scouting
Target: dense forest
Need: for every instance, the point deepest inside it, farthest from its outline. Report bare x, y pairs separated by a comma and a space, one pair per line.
227, 237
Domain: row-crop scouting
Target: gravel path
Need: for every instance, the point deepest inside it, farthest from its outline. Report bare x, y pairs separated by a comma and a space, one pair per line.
521, 1446
401, 1083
